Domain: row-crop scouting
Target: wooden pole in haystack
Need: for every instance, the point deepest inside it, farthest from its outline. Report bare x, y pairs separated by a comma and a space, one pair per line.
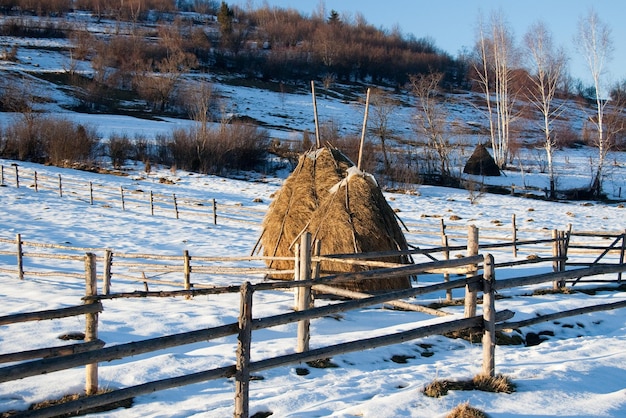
317, 127
367, 105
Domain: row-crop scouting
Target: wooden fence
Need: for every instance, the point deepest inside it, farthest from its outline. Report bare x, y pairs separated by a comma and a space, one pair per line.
131, 199
307, 281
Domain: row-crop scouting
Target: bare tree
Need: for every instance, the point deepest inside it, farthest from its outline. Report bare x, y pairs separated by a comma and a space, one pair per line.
494, 69
547, 65
595, 44
383, 106
432, 119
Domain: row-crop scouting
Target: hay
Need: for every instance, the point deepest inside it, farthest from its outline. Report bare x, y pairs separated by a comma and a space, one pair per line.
481, 163
341, 206
301, 194
356, 218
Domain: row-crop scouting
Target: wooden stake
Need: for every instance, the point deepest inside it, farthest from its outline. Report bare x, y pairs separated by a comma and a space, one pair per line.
472, 249
489, 318
304, 293
187, 270
106, 274
175, 205
122, 196
17, 177
60, 187
91, 322
91, 193
36, 186
364, 130
317, 126
514, 237
151, 203
20, 263
214, 212
244, 340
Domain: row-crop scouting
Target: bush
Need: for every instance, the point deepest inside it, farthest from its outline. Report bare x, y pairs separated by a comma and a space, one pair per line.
48, 140
215, 151
120, 148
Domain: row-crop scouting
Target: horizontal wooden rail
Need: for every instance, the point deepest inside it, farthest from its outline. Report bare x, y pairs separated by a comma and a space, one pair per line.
51, 314
63, 350
37, 367
558, 276
562, 314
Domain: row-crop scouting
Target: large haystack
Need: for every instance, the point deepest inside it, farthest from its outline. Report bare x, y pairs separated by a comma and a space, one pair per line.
481, 163
341, 206
301, 194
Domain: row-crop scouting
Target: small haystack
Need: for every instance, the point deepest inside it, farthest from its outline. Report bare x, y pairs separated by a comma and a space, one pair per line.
338, 204
481, 163
356, 218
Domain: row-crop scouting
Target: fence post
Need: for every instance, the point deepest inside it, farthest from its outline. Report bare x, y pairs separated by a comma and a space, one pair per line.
20, 262
556, 253
91, 322
1, 175
304, 292
621, 256
36, 186
122, 196
175, 205
187, 271
151, 203
214, 212
489, 317
514, 237
472, 249
91, 193
106, 273
17, 177
242, 375
446, 256
60, 187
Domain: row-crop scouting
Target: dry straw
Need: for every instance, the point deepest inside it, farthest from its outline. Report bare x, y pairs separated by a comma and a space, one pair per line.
342, 207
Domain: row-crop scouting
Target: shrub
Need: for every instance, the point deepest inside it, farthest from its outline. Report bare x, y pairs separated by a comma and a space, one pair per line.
68, 142
49, 140
214, 151
120, 148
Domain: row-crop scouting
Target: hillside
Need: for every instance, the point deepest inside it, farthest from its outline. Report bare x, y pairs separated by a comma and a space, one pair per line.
69, 77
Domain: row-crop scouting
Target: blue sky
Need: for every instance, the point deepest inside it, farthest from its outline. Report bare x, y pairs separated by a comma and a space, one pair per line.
452, 23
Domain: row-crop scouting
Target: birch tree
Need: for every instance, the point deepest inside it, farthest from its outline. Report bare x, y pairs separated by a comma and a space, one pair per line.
494, 71
593, 41
546, 67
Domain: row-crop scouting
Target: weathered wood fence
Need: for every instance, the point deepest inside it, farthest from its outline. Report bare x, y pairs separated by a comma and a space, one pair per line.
131, 198
308, 279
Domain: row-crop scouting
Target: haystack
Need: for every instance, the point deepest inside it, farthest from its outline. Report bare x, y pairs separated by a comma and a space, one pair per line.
301, 194
341, 206
356, 218
481, 163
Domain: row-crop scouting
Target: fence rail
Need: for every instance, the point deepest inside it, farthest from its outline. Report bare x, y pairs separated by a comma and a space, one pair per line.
489, 322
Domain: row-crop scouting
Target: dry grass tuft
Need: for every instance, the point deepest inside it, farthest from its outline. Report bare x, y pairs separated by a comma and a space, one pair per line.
485, 383
464, 410
436, 389
495, 384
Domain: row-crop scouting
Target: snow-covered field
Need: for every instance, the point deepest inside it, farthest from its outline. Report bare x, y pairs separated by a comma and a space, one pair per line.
578, 372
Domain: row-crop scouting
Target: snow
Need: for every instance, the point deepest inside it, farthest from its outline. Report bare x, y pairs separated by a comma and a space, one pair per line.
578, 372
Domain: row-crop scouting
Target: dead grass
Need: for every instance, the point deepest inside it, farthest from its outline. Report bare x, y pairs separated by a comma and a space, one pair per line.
464, 410
485, 383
